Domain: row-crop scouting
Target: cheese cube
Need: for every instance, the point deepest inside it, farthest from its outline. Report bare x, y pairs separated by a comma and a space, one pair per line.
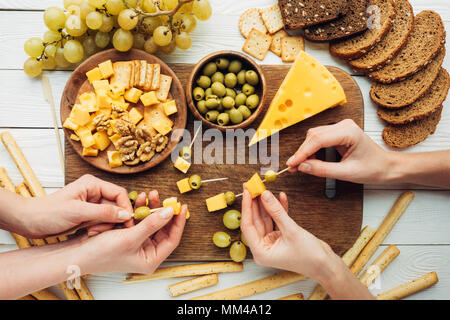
69, 124
149, 98
114, 159
155, 114
170, 107
94, 75
188, 215
133, 95
85, 135
115, 138
119, 102
79, 115
88, 101
101, 86
135, 116
101, 140
116, 91
216, 203
173, 202
184, 186
161, 127
90, 152
255, 186
182, 165
74, 137
106, 69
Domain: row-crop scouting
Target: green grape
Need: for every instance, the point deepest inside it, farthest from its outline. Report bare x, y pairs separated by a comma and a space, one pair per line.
73, 51
48, 63
162, 36
186, 8
115, 6
238, 251
139, 41
189, 23
127, 19
108, 23
54, 18
150, 46
85, 9
51, 36
97, 3
73, 10
169, 48
50, 50
232, 219
75, 26
60, 60
149, 24
32, 67
131, 3
183, 40
202, 9
122, 40
147, 6
68, 3
221, 239
34, 47
89, 46
168, 4
94, 20
102, 39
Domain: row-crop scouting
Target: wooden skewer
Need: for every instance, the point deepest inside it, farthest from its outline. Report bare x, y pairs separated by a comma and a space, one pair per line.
214, 180
195, 137
278, 173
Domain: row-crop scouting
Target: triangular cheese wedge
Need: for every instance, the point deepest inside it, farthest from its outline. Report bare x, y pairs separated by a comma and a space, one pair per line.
308, 89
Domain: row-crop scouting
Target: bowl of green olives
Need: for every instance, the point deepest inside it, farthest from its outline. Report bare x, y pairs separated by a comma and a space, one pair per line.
226, 90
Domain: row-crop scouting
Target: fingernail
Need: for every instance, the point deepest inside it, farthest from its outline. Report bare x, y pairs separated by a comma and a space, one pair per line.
305, 167
266, 196
93, 233
124, 215
166, 213
290, 161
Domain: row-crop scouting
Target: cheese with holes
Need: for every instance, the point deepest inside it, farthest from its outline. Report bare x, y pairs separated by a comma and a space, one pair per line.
114, 159
216, 203
308, 89
255, 186
184, 186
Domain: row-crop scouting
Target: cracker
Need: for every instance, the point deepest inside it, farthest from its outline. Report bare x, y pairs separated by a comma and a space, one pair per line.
291, 47
272, 19
156, 77
164, 87
137, 67
123, 71
251, 19
257, 44
275, 47
148, 77
142, 73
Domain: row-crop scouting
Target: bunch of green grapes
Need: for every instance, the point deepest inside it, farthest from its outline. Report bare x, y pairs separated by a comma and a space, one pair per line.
85, 27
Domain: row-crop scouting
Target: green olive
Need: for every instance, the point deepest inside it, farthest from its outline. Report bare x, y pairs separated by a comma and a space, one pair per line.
212, 115
208, 92
232, 219
243, 239
221, 239
228, 111
230, 80
246, 113
198, 93
204, 82
195, 181
252, 101
252, 77
133, 195
218, 77
218, 89
235, 66
142, 212
210, 69
270, 176
230, 197
223, 119
235, 116
248, 89
231, 93
201, 106
222, 63
186, 152
212, 103
238, 251
228, 102
241, 77
240, 99
220, 106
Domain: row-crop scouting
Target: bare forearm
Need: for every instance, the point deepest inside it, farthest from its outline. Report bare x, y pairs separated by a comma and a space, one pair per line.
12, 210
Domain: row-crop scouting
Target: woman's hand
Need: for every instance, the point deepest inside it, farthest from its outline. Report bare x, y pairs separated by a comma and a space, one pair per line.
87, 199
363, 161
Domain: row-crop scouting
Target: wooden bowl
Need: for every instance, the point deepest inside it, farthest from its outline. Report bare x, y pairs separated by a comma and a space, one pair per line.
78, 84
247, 63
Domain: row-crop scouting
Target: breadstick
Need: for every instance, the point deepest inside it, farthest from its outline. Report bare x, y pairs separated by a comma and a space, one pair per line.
44, 295
84, 292
254, 287
384, 229
366, 234
378, 266
410, 288
186, 271
27, 297
295, 296
191, 285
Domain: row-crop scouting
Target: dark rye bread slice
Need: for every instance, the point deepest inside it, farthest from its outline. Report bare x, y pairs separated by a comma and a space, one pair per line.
394, 40
403, 93
421, 108
424, 42
408, 135
354, 22
298, 14
356, 46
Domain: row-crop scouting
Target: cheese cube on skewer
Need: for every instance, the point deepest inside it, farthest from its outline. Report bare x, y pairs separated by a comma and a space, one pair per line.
255, 186
216, 203
184, 186
182, 165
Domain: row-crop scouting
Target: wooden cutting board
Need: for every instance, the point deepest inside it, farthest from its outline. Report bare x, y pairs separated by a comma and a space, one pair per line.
337, 221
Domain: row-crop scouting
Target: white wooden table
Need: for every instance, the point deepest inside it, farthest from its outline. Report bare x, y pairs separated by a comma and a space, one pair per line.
422, 233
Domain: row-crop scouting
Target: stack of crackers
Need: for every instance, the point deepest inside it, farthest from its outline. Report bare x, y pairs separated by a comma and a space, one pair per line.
264, 31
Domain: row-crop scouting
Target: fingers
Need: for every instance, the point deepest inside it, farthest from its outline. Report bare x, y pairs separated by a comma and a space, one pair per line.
151, 224
95, 230
266, 218
153, 199
85, 211
284, 201
336, 170
276, 211
247, 225
140, 200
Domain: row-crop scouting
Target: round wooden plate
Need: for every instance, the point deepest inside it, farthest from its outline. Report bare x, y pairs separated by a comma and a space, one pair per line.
79, 84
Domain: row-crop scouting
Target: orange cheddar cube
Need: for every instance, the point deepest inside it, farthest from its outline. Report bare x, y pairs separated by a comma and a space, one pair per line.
133, 95
216, 203
94, 75
114, 159
69, 124
173, 202
135, 116
255, 186
149, 99
106, 69
90, 152
101, 86
184, 186
182, 165
170, 107
101, 140
88, 101
79, 115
